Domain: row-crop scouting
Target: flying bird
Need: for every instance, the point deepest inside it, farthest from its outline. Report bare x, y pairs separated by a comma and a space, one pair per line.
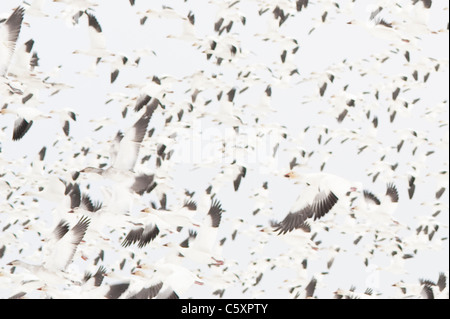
26, 115
59, 251
322, 192
125, 149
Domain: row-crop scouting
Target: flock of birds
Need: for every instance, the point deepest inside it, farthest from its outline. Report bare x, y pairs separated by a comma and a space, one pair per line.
123, 201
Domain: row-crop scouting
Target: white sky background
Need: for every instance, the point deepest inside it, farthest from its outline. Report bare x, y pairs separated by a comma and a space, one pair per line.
295, 105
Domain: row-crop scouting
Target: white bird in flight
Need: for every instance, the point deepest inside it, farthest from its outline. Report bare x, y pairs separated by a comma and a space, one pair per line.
323, 191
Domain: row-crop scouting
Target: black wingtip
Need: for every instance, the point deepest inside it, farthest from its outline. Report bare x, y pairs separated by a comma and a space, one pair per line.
239, 177
371, 197
14, 23
93, 22
294, 221
133, 236
82, 225
392, 192
21, 127
114, 76
141, 236
61, 229
324, 205
190, 204
216, 213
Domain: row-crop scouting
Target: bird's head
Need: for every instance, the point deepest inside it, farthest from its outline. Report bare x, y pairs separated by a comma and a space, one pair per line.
147, 210
169, 245
91, 170
138, 273
14, 263
5, 111
291, 175
399, 284
172, 245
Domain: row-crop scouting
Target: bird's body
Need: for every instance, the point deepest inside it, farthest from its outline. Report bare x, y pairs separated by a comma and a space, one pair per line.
59, 250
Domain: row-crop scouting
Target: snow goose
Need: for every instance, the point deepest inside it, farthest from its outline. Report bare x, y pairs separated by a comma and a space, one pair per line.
24, 63
351, 294
65, 116
201, 249
125, 149
9, 33
425, 289
382, 29
219, 279
435, 290
97, 40
73, 9
408, 290
378, 210
323, 191
228, 13
147, 226
375, 215
91, 286
152, 91
51, 187
117, 63
20, 285
234, 172
441, 181
125, 184
165, 13
26, 115
59, 251
175, 279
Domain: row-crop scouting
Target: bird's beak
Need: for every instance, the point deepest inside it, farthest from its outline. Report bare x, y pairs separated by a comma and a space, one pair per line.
290, 174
